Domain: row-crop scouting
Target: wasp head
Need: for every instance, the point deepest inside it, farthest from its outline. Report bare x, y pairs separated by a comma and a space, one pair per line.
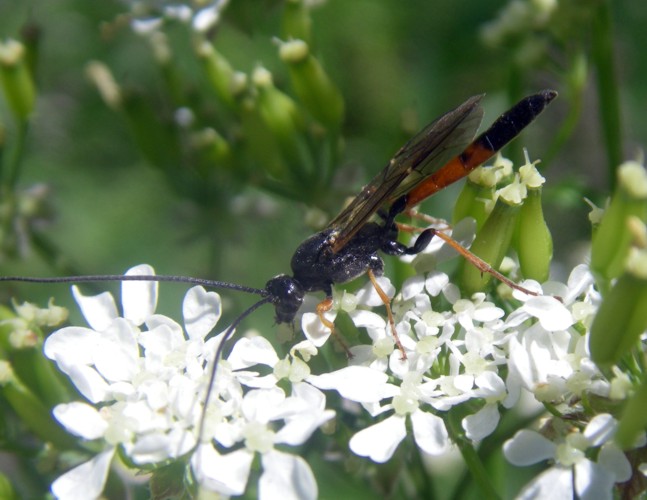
287, 296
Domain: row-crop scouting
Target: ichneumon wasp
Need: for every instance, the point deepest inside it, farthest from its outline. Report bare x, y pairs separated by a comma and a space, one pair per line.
440, 154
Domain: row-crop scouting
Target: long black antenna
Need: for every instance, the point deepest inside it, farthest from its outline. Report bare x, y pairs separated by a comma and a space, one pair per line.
133, 277
221, 347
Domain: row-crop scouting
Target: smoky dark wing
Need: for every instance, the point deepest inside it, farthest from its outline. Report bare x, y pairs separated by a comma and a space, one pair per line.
421, 156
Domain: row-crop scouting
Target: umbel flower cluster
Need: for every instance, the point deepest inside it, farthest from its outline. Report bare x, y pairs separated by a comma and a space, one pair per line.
570, 355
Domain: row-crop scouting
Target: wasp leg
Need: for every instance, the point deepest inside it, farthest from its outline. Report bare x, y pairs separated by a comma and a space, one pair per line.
481, 265
387, 305
323, 307
396, 248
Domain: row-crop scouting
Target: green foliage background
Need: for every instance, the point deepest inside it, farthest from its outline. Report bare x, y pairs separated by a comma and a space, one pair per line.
398, 65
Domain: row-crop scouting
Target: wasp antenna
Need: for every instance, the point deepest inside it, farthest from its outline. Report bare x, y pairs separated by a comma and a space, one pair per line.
221, 347
124, 277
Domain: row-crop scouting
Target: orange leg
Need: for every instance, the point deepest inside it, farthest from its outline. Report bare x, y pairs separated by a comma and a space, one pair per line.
387, 305
324, 306
473, 259
428, 219
481, 265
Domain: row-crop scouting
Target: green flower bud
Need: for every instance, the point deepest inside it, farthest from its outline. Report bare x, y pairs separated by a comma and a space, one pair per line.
280, 113
534, 243
259, 143
491, 244
315, 89
213, 148
16, 79
227, 83
476, 198
621, 318
634, 419
296, 22
612, 240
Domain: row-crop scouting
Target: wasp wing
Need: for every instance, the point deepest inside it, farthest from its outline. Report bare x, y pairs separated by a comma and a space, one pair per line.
420, 157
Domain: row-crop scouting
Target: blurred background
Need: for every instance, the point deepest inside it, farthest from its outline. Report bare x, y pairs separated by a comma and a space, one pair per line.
201, 140
177, 174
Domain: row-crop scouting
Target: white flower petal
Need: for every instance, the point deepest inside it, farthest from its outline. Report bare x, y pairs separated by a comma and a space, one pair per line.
430, 433
368, 296
412, 287
286, 477
252, 351
556, 482
436, 282
483, 423
117, 355
206, 18
86, 480
367, 319
297, 431
527, 448
593, 482
262, 405
72, 345
156, 447
139, 298
578, 281
357, 383
226, 474
600, 429
80, 419
89, 383
615, 461
201, 310
550, 312
485, 314
98, 310
378, 442
149, 448
314, 330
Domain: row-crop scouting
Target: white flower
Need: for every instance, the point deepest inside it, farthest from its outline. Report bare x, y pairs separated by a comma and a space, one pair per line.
591, 479
256, 427
149, 376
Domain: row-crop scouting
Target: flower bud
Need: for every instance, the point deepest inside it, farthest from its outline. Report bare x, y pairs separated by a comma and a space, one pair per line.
280, 113
213, 149
534, 243
17, 81
227, 83
296, 22
621, 318
612, 240
634, 419
491, 244
476, 198
315, 89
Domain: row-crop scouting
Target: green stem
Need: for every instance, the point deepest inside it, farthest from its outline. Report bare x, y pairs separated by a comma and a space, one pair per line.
477, 470
609, 100
16, 155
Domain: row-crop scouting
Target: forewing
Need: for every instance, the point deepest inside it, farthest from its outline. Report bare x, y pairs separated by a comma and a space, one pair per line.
422, 155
